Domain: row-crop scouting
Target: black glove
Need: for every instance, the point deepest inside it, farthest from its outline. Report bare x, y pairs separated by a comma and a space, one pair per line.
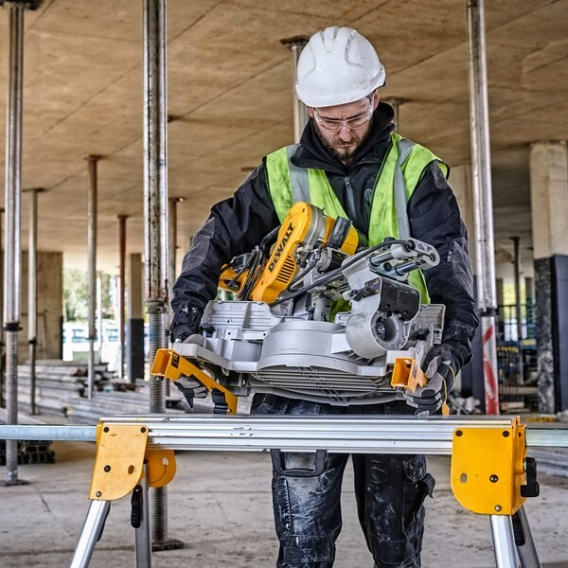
191, 389
185, 322
440, 367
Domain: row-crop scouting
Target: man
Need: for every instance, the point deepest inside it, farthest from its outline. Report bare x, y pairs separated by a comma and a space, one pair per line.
352, 157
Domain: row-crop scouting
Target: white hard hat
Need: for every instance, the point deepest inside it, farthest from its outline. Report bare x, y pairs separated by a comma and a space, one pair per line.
338, 66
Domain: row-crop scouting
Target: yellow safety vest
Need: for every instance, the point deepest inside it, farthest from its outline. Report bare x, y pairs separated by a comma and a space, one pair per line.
398, 177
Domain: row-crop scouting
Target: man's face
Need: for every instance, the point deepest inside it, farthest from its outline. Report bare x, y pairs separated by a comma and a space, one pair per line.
343, 138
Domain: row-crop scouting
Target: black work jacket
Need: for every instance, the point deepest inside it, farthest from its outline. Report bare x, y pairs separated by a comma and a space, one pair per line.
238, 224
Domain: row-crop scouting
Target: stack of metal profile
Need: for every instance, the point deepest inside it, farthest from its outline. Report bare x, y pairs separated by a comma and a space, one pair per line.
61, 390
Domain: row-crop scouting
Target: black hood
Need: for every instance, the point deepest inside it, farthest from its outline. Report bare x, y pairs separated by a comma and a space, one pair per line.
313, 154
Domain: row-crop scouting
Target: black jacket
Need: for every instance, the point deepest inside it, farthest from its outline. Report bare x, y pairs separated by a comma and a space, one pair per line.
237, 224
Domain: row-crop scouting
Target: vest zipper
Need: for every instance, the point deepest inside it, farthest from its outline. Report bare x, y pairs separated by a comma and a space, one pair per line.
351, 213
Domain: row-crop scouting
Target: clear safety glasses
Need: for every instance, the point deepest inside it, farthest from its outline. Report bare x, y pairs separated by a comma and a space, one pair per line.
352, 123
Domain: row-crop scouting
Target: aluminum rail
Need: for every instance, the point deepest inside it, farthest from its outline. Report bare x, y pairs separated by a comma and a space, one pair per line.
346, 434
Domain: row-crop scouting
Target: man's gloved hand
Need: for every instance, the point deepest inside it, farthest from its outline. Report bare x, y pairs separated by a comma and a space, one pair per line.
440, 367
191, 389
185, 322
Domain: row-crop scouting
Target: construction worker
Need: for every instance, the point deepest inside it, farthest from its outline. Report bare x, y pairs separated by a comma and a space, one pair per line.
351, 154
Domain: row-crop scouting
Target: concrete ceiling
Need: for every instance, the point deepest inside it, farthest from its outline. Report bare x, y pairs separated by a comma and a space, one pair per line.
230, 93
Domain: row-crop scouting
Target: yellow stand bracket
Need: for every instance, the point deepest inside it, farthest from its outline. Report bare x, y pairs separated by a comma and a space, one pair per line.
119, 464
407, 373
488, 468
160, 467
170, 365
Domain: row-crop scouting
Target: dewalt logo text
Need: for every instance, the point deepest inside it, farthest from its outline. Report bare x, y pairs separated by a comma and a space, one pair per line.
280, 247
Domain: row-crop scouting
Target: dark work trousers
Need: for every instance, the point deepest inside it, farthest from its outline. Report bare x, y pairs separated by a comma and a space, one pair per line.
390, 492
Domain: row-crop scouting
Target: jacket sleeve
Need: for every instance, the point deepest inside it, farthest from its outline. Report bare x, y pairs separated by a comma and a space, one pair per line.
235, 226
434, 218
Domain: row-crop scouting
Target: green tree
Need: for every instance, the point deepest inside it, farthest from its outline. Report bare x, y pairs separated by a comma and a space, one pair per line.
76, 297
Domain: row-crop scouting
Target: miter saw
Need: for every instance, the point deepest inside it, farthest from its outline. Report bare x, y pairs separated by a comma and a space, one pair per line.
313, 317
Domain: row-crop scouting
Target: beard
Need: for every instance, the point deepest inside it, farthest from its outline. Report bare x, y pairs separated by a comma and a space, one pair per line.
340, 150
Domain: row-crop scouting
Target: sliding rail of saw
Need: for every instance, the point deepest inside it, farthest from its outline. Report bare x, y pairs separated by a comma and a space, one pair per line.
490, 472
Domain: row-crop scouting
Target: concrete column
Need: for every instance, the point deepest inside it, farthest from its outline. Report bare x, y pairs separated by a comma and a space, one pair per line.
549, 201
49, 306
135, 320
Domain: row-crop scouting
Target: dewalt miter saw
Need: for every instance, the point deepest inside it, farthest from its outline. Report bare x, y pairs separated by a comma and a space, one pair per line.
313, 318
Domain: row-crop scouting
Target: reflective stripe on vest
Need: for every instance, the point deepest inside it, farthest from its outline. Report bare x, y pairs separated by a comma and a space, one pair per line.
398, 177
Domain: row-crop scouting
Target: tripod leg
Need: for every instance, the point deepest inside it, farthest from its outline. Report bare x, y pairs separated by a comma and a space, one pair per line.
90, 533
524, 540
503, 542
143, 532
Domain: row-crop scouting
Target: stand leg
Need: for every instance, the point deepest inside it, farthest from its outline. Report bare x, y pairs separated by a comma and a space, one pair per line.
503, 542
524, 540
143, 532
90, 533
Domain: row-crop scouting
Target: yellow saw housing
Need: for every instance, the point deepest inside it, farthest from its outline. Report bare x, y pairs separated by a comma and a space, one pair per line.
304, 226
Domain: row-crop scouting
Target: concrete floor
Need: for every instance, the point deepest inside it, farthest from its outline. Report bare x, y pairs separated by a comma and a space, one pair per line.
220, 507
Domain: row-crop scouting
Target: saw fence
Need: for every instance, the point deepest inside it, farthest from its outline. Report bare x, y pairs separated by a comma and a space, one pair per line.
490, 472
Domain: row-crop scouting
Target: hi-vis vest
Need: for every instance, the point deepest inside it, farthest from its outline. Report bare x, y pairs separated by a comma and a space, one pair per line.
398, 177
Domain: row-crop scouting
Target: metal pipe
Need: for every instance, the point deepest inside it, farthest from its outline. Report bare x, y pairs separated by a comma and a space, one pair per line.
92, 265
503, 541
526, 549
172, 250
99, 318
156, 213
2, 362
481, 170
155, 183
13, 228
296, 44
94, 523
172, 240
122, 286
517, 266
32, 294
395, 103
518, 311
143, 538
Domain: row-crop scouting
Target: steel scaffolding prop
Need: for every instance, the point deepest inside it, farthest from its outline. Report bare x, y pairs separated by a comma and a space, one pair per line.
13, 227
92, 196
490, 473
396, 103
122, 286
483, 200
156, 219
32, 293
2, 361
296, 44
